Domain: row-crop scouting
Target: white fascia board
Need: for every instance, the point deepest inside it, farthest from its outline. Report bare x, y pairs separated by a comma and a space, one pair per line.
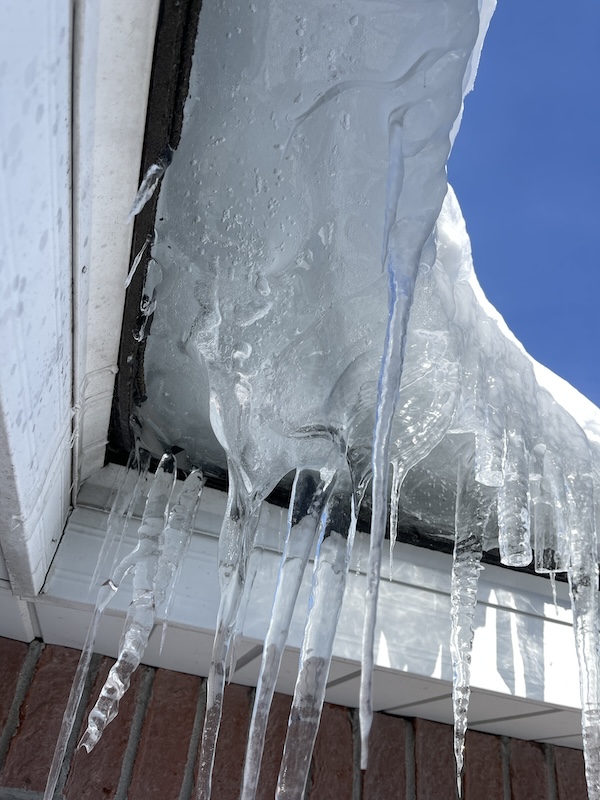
113, 52
35, 285
524, 665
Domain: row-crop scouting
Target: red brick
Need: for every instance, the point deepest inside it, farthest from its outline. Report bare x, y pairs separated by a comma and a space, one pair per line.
32, 747
435, 771
96, 775
483, 774
231, 747
274, 741
332, 765
528, 771
162, 752
385, 775
12, 655
570, 774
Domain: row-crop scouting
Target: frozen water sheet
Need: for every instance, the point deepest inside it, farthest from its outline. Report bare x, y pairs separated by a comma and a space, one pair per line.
312, 296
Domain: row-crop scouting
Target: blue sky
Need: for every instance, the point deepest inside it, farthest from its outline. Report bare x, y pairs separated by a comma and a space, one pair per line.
526, 170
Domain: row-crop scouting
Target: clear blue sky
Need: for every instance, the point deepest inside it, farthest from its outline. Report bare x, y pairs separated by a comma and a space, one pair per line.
526, 170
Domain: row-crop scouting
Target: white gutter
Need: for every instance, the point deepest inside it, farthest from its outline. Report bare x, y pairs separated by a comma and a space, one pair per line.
523, 646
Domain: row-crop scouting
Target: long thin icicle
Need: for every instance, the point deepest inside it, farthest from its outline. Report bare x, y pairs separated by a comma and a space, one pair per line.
402, 275
338, 527
120, 514
105, 595
235, 545
309, 493
474, 506
141, 613
176, 541
583, 585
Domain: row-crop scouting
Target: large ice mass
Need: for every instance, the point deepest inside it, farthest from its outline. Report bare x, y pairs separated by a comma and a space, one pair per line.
313, 293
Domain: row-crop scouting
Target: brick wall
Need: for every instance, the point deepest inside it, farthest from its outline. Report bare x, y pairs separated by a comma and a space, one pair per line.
149, 751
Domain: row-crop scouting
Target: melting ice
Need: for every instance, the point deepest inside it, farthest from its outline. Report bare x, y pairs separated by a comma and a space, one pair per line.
324, 313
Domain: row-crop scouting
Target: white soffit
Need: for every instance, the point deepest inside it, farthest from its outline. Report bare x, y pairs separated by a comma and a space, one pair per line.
524, 664
74, 80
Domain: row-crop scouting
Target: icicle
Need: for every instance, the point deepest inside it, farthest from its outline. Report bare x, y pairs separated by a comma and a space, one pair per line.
398, 473
309, 493
120, 514
251, 572
338, 526
148, 299
425, 413
137, 260
583, 585
482, 405
549, 519
235, 545
176, 541
127, 495
402, 268
552, 576
474, 505
105, 594
150, 183
513, 504
141, 613
489, 439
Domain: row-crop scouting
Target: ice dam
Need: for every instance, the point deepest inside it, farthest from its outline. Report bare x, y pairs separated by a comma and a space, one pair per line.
312, 291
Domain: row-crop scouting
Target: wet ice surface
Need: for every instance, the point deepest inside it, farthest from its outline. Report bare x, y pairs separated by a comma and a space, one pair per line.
163, 537
312, 294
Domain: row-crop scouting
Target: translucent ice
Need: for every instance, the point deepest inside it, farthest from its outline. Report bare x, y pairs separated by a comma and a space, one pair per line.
139, 622
309, 494
475, 504
336, 536
325, 301
149, 183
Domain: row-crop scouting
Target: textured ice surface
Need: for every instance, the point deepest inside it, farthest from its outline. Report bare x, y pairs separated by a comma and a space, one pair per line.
312, 293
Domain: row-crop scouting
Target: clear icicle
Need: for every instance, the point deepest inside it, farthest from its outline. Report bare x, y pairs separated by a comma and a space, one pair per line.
513, 504
120, 514
141, 614
489, 438
105, 594
176, 541
474, 505
235, 545
425, 413
583, 585
338, 526
552, 576
398, 473
138, 259
549, 521
402, 270
150, 183
309, 494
